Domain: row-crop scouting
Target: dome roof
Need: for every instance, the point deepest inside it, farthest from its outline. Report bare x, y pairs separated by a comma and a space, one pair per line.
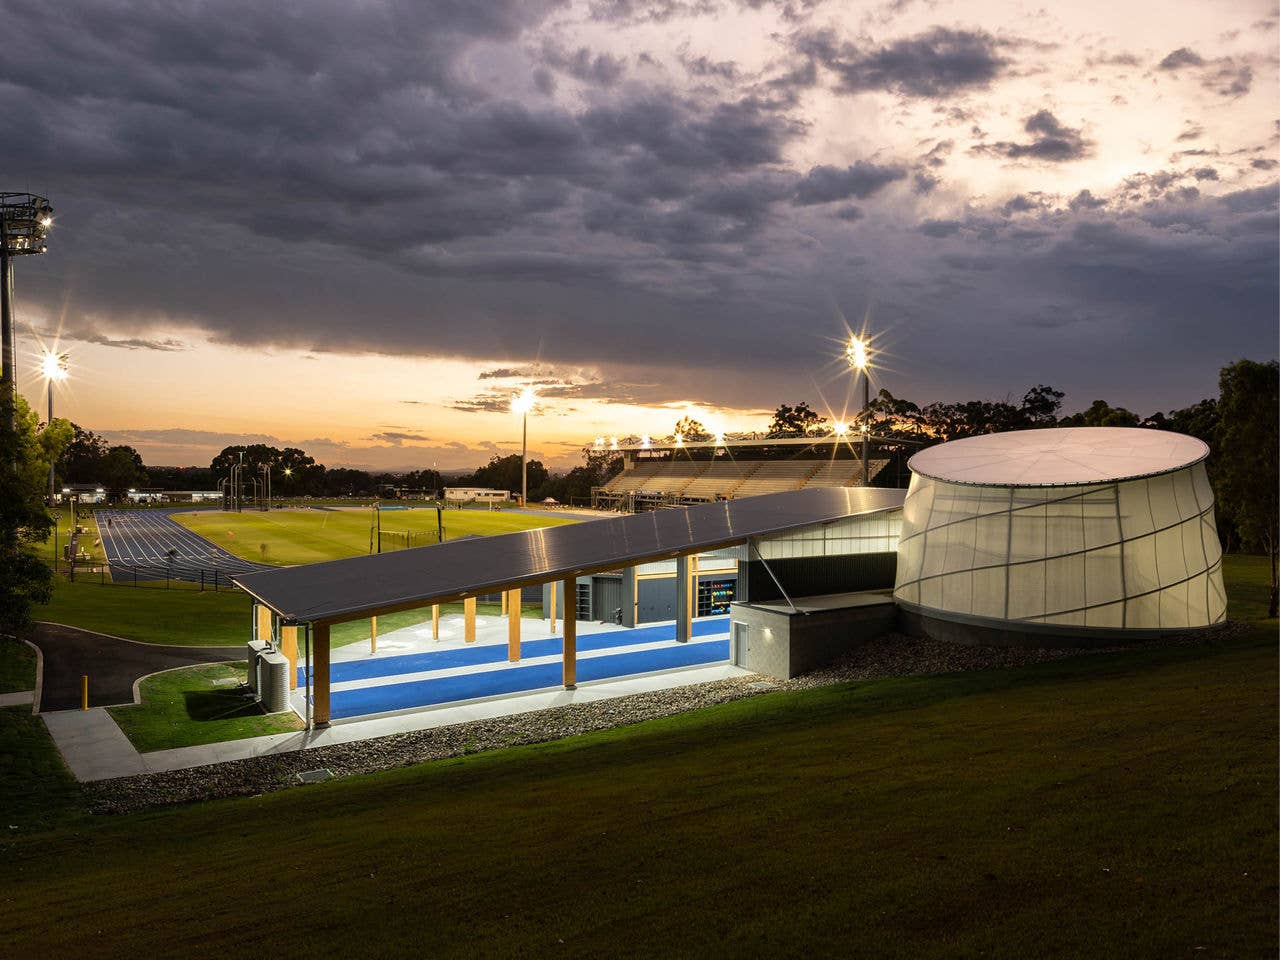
1059, 456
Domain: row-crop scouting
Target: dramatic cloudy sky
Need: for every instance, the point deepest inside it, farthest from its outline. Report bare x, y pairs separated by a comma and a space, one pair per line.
360, 226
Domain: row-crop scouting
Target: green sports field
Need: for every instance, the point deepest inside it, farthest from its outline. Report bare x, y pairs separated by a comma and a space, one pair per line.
288, 537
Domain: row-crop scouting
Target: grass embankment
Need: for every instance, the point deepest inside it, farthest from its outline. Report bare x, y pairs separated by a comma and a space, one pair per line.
37, 791
150, 613
200, 704
311, 536
1112, 806
17, 666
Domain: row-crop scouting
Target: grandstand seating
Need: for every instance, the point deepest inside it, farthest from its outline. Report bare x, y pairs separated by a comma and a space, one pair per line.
630, 480
775, 476
681, 480
718, 480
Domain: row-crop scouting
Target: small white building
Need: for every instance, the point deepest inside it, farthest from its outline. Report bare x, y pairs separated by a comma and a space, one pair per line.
476, 495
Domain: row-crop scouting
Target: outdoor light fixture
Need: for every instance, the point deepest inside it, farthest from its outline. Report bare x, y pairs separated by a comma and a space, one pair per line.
856, 354
54, 367
522, 403
841, 428
645, 443
679, 440
598, 443
613, 443
24, 221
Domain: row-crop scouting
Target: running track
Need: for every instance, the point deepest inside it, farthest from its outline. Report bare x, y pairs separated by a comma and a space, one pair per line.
151, 544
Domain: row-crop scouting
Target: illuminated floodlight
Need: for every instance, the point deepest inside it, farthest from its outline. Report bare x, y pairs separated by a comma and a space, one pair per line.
719, 438
841, 428
54, 366
288, 471
679, 439
613, 443
856, 353
523, 402
645, 443
598, 443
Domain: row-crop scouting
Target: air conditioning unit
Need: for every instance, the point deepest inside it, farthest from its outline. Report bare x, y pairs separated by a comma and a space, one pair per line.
273, 682
256, 649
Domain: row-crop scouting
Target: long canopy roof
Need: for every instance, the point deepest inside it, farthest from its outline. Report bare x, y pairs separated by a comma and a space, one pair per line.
341, 590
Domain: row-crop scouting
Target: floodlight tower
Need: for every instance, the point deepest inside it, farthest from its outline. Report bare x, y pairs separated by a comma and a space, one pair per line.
856, 354
54, 368
25, 220
522, 403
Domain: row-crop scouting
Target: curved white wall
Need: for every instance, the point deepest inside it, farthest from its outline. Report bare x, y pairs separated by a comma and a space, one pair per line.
1135, 554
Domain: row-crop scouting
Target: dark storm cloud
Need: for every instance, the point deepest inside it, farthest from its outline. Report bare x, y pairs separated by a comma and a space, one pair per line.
825, 184
1182, 57
1229, 79
599, 69
649, 11
1051, 142
394, 178
930, 64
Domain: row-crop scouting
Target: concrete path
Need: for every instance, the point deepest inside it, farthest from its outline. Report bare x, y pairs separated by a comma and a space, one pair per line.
20, 699
96, 749
112, 664
92, 745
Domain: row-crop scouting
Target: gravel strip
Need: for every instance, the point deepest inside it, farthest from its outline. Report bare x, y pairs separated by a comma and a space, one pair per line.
892, 655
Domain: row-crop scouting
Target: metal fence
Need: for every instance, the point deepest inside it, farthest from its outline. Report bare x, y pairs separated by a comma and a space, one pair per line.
155, 576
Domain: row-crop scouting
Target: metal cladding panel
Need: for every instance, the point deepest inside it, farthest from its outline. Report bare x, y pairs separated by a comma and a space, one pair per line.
358, 586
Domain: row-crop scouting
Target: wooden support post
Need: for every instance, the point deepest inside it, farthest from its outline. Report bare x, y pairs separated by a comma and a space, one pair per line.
570, 640
435, 621
554, 589
84, 692
289, 647
373, 634
320, 675
264, 622
505, 596
469, 620
513, 625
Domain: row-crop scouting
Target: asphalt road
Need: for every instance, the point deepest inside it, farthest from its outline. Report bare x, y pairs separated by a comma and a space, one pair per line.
112, 664
151, 545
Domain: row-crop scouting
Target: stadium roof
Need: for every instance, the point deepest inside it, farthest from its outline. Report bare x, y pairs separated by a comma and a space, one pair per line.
1059, 456
358, 587
852, 440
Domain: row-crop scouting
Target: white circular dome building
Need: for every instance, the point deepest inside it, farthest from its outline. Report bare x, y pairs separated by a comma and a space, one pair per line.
1086, 534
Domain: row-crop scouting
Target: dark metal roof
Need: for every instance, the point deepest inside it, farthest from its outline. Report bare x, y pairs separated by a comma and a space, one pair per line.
381, 583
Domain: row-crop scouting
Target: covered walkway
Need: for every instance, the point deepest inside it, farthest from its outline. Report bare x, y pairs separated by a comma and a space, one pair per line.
297, 606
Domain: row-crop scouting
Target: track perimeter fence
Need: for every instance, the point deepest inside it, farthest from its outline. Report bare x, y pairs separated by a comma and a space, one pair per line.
154, 576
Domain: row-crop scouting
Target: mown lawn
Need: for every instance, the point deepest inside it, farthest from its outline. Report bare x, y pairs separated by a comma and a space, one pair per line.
151, 614
17, 666
1109, 806
200, 704
309, 536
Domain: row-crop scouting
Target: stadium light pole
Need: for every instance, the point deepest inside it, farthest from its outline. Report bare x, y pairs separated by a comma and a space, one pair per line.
522, 403
25, 220
856, 354
54, 368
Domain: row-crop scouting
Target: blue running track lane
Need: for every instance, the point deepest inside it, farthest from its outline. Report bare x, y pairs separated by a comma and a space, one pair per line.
469, 686
371, 667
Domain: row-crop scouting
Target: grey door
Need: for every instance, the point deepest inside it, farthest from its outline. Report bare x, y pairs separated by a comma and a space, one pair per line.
741, 644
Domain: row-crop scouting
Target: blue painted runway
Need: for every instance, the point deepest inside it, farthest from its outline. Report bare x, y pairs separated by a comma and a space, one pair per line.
517, 679
371, 667
621, 662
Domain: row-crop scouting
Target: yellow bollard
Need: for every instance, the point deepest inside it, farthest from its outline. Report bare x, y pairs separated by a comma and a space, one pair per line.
373, 634
84, 693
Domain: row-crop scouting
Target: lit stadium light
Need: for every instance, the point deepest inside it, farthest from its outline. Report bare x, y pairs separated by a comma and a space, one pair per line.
54, 366
679, 440
613, 443
645, 443
856, 353
523, 401
719, 438
598, 443
841, 428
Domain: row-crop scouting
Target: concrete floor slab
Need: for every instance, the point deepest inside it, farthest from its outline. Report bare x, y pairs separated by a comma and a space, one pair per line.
23, 698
